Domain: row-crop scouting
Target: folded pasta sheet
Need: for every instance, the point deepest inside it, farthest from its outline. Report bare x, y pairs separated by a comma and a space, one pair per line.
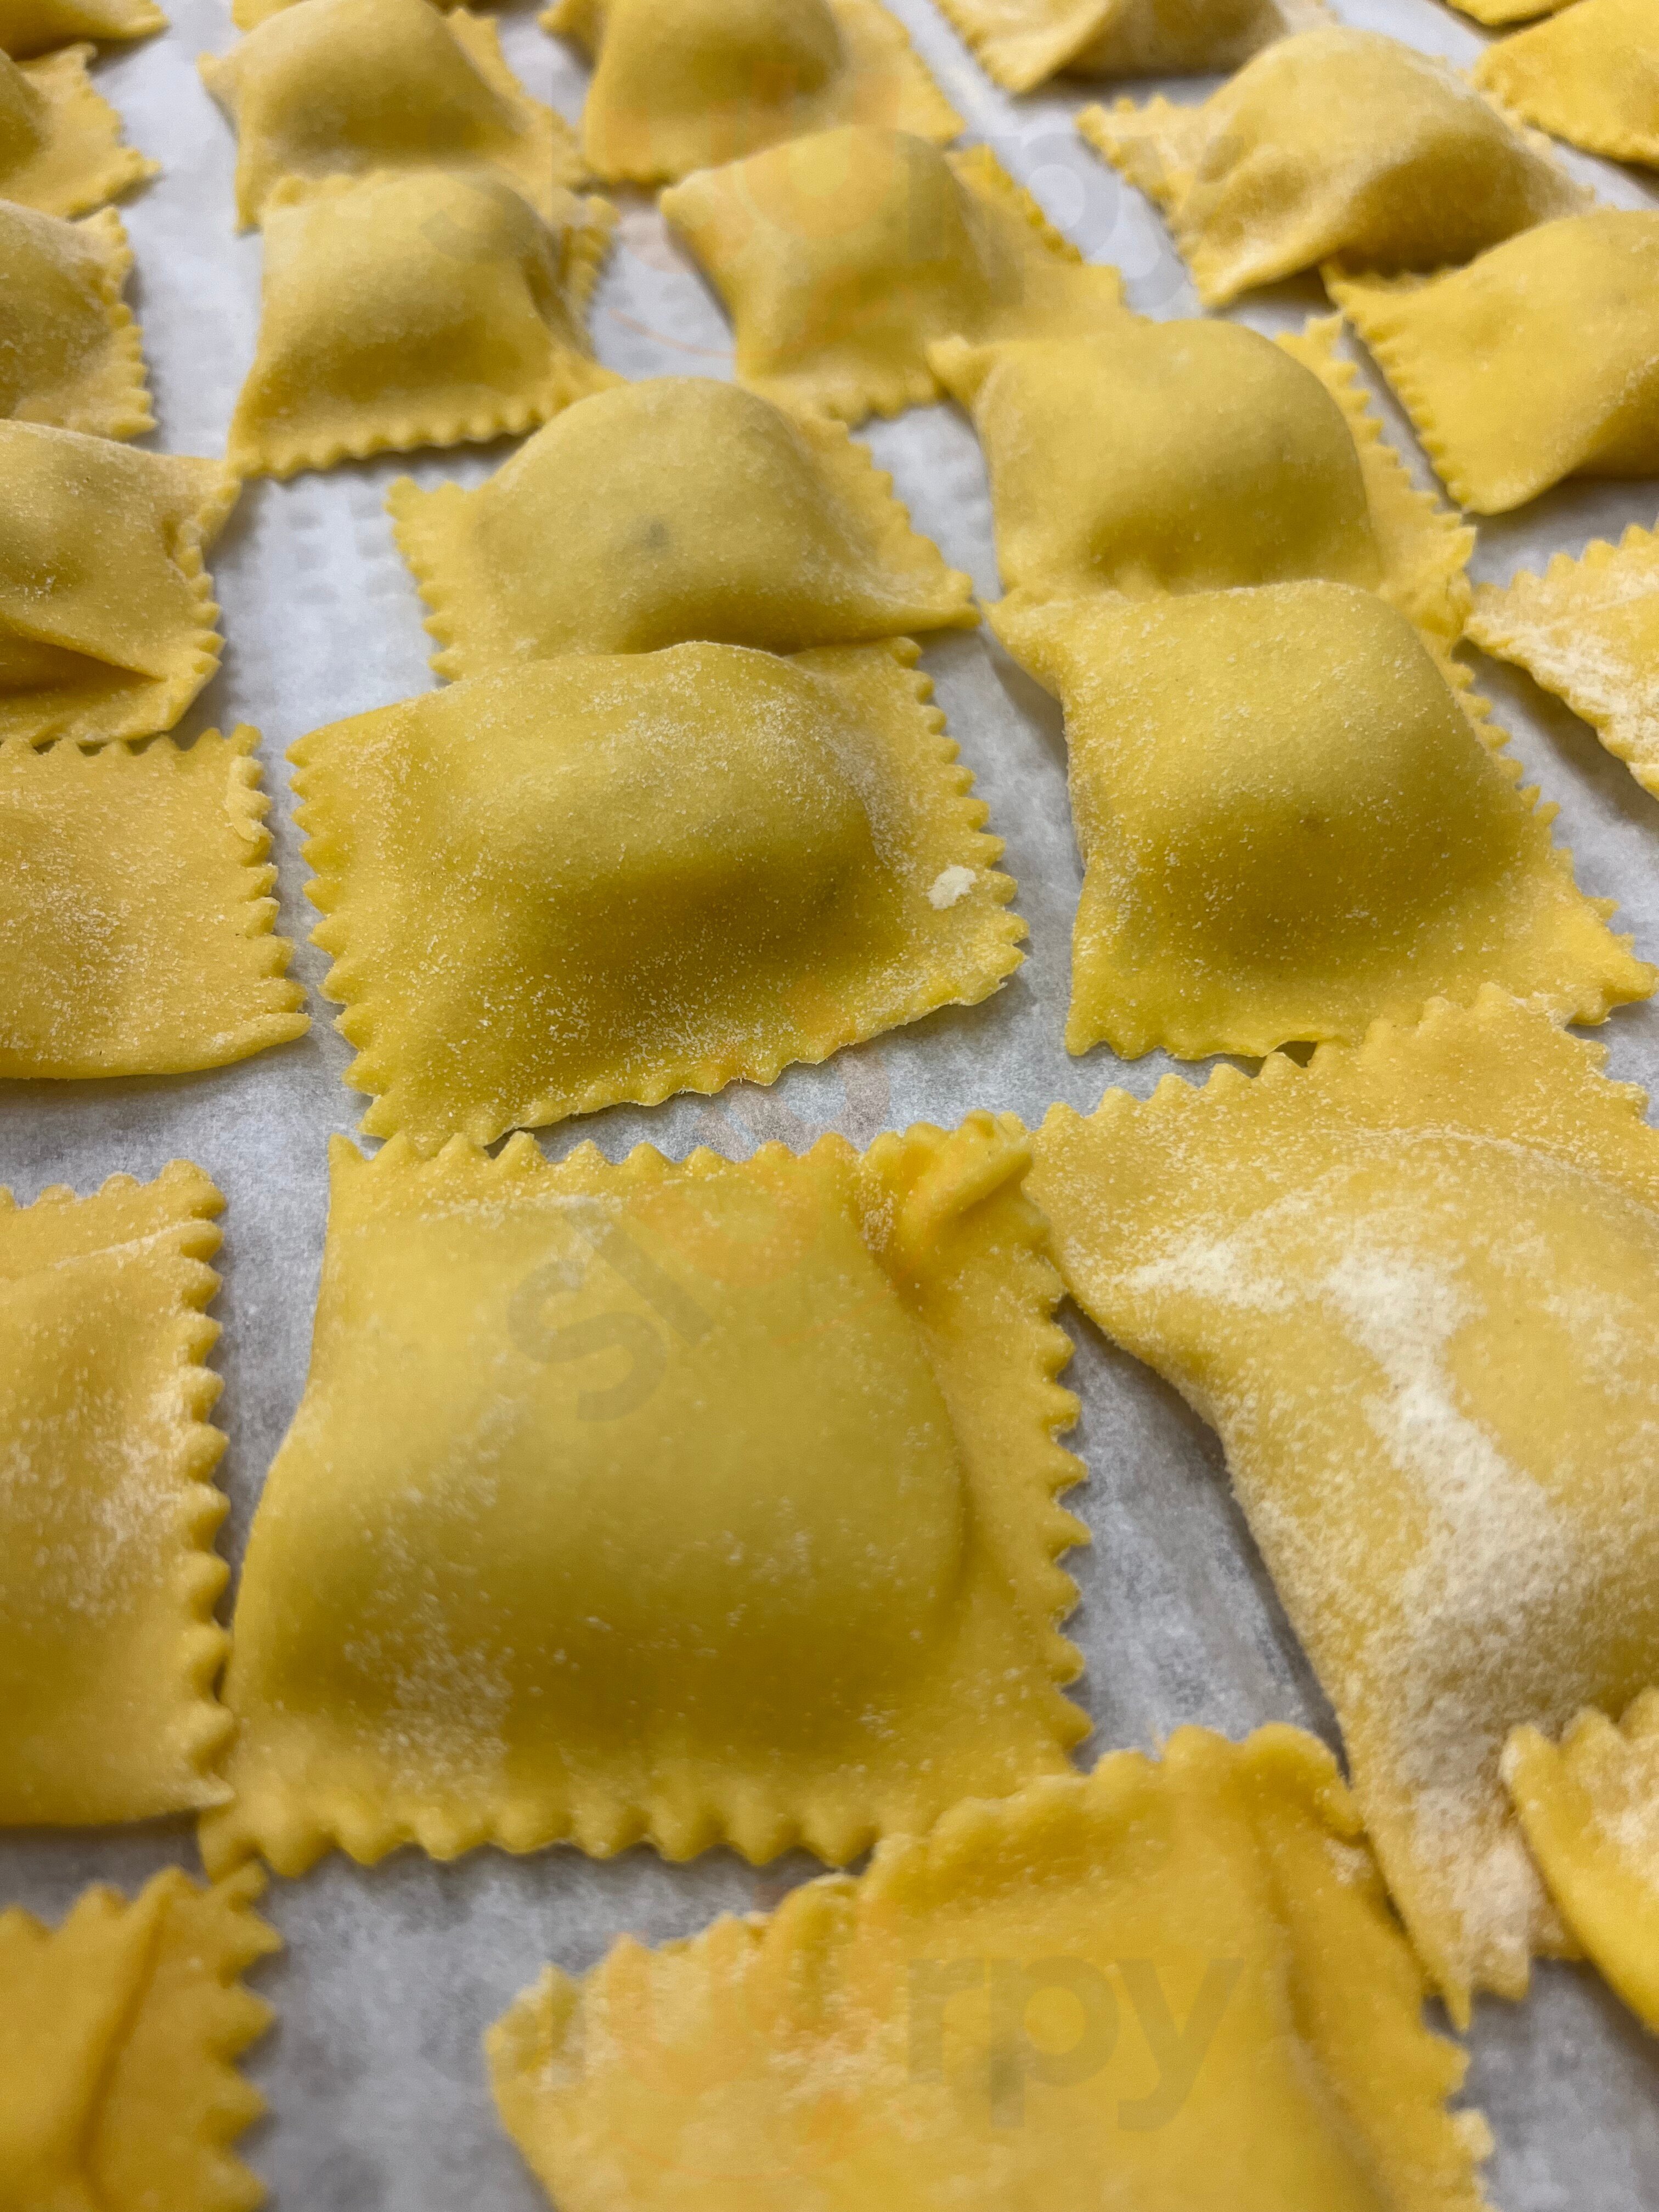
1412, 1285
1225, 459
108, 627
35, 27
414, 307
1538, 362
1175, 1985
119, 2032
1590, 1808
343, 86
1590, 75
1022, 43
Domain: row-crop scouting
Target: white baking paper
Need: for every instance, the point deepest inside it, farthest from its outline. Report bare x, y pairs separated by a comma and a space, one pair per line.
374, 2072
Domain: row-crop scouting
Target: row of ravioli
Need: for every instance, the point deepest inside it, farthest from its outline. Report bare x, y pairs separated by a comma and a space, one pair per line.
1585, 76
717, 1502
444, 214
845, 255
373, 1712
406, 184
603, 865
1371, 803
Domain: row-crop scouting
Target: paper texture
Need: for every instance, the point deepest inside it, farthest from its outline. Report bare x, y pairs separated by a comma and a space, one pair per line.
374, 2074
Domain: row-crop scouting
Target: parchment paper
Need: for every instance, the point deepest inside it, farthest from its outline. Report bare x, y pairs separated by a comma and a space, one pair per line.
373, 2073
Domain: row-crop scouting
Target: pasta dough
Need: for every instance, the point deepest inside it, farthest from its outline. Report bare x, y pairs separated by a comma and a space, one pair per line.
136, 915
1590, 1807
1338, 144
1590, 75
1540, 360
248, 14
711, 81
841, 258
69, 351
108, 624
700, 1503
1302, 834
988, 2016
33, 27
1021, 43
332, 87
674, 509
1412, 1285
118, 2037
108, 1577
576, 881
1588, 631
1499, 14
60, 143
1231, 461
413, 307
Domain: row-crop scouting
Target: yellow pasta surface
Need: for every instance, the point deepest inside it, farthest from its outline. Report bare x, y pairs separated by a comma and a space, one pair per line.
1412, 1287
108, 621
344, 87
69, 351
1538, 362
1336, 145
702, 1504
1231, 460
666, 511
119, 2032
108, 1578
60, 142
841, 258
413, 307
572, 883
1022, 43
1588, 631
711, 81
1291, 827
1589, 75
136, 915
35, 27
1175, 1984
